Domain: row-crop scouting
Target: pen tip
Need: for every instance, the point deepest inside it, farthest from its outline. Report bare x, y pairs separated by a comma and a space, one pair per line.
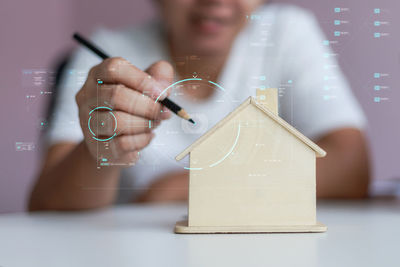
192, 121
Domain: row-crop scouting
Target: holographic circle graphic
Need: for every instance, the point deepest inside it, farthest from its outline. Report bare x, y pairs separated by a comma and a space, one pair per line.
191, 132
186, 80
94, 136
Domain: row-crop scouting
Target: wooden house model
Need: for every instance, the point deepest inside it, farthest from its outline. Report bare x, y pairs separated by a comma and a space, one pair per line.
252, 172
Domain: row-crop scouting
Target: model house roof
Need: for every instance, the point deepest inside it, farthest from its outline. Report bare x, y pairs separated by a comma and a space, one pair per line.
252, 101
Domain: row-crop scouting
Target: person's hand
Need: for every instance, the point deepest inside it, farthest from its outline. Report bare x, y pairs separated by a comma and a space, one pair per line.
171, 187
131, 94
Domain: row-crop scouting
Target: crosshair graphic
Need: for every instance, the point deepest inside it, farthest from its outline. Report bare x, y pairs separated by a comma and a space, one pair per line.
94, 136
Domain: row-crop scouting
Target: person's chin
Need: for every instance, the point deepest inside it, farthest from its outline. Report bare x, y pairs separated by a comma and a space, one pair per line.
210, 38
210, 46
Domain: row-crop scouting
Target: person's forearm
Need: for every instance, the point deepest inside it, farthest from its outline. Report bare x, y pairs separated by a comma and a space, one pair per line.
75, 183
344, 172
341, 181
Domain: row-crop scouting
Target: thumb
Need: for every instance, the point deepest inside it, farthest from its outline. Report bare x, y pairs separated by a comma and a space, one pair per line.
163, 73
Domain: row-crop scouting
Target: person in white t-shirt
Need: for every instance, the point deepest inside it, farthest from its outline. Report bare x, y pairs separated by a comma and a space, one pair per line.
237, 45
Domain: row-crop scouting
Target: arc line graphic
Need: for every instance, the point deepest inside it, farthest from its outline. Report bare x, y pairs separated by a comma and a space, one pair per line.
230, 151
185, 80
89, 126
216, 84
100, 108
219, 87
192, 169
175, 83
104, 140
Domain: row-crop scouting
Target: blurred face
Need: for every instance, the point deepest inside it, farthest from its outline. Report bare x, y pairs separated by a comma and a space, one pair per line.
205, 27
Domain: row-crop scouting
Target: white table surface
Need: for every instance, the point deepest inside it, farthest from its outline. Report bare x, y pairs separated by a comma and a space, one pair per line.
359, 234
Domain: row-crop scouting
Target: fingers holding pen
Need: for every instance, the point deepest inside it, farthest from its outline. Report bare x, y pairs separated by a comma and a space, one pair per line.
163, 72
120, 71
123, 98
125, 107
121, 123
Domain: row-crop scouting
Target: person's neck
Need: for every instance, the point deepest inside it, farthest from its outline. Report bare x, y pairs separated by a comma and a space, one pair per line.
208, 67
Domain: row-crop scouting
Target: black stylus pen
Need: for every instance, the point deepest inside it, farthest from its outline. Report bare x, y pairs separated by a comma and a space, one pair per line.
166, 102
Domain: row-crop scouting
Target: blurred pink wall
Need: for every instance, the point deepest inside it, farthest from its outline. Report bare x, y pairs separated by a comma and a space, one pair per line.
34, 33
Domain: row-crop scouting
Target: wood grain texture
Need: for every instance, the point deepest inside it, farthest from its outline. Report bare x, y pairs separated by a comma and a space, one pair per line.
269, 98
258, 175
252, 172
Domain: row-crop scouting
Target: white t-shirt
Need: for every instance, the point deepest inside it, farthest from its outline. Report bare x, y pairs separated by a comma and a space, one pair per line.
281, 47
